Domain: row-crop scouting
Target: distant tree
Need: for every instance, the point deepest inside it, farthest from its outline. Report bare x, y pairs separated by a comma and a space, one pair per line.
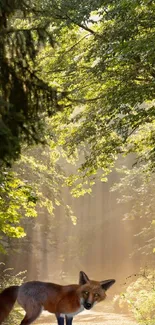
136, 192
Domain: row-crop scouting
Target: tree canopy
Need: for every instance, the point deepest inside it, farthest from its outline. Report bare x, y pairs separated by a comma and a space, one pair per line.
109, 75
97, 57
78, 78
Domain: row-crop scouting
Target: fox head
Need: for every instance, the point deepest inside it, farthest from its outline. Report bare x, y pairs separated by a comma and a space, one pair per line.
92, 292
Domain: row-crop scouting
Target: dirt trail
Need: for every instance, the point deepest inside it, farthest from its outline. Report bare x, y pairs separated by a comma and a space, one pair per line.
100, 318
86, 318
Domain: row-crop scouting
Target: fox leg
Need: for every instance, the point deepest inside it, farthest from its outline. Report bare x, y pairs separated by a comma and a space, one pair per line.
31, 316
60, 319
68, 320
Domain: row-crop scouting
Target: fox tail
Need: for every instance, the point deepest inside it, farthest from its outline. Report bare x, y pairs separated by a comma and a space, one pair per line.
7, 300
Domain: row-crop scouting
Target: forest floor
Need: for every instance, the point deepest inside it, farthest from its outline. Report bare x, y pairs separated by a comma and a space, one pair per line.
95, 317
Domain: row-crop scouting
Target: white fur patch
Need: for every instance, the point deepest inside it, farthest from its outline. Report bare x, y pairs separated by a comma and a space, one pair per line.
74, 313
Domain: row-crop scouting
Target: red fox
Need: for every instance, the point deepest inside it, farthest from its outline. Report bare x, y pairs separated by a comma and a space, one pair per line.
64, 301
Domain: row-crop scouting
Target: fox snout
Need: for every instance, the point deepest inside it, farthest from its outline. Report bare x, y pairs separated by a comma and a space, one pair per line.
88, 305
89, 299
91, 292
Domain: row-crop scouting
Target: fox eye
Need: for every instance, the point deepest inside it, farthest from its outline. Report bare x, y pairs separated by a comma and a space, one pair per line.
96, 295
86, 293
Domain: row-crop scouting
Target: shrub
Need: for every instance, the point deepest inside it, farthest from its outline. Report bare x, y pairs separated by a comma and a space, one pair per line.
140, 297
7, 278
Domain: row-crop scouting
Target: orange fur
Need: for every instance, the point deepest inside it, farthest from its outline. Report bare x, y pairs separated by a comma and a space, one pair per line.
69, 300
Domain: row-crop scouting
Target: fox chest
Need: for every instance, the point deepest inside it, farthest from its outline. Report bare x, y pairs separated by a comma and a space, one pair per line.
70, 306
72, 314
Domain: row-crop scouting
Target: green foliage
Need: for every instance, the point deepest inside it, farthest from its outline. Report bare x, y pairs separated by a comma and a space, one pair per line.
16, 199
107, 74
140, 297
104, 72
7, 278
78, 77
25, 99
27, 96
33, 186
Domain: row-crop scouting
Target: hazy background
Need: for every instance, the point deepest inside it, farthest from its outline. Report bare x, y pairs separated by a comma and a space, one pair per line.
102, 243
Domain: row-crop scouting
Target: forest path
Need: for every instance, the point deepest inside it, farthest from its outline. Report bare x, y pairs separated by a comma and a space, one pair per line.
86, 318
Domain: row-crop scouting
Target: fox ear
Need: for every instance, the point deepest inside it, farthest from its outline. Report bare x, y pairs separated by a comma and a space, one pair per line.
83, 278
106, 284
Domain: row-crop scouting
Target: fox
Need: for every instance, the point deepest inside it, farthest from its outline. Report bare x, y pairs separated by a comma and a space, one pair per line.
65, 301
